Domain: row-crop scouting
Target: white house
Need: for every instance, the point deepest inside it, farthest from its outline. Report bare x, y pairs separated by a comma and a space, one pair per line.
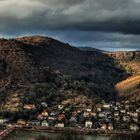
67, 109
134, 127
99, 109
60, 107
135, 119
44, 123
86, 114
128, 113
88, 109
138, 110
126, 118
54, 113
123, 111
134, 114
44, 104
73, 119
88, 124
106, 106
116, 108
110, 127
127, 102
102, 114
116, 113
61, 125
51, 118
2, 121
104, 127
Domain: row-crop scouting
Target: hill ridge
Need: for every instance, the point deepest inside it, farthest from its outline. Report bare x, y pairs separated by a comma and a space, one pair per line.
57, 71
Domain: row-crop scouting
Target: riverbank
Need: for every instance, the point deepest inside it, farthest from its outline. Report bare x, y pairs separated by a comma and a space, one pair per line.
82, 131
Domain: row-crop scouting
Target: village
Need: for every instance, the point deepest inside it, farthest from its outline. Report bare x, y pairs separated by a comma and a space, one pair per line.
112, 116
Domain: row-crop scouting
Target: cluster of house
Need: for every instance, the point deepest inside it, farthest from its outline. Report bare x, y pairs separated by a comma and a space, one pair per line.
102, 116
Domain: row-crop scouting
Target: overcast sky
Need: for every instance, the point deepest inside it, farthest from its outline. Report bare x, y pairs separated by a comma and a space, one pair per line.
103, 24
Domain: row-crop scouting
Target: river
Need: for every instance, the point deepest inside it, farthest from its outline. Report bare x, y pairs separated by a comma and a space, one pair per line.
31, 135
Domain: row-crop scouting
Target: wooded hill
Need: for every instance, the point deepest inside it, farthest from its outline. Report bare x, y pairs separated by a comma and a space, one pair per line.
39, 69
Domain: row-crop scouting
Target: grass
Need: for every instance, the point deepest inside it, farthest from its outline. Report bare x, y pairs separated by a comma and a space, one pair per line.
130, 88
129, 84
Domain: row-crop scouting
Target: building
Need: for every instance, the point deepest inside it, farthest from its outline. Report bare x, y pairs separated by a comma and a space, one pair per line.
115, 108
45, 113
2, 121
61, 117
138, 110
127, 102
67, 109
73, 119
134, 127
94, 114
44, 104
60, 107
127, 107
60, 125
134, 114
29, 106
88, 109
126, 118
116, 114
88, 124
21, 122
117, 118
106, 106
86, 114
99, 109
51, 121
123, 111
118, 104
44, 123
135, 120
102, 114
103, 126
74, 113
34, 122
53, 113
110, 127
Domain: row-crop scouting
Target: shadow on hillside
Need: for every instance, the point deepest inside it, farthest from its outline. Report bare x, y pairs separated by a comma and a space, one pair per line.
105, 72
51, 71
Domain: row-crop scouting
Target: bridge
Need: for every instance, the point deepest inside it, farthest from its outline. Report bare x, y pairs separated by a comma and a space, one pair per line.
7, 132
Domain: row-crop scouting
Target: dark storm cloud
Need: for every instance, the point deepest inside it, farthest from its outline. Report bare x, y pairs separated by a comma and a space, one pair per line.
101, 23
96, 15
107, 41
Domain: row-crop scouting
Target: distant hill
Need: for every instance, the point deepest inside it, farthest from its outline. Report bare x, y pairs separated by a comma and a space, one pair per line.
90, 49
39, 69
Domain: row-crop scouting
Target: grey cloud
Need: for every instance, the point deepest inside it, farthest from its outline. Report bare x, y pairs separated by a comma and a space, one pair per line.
98, 39
97, 23
94, 15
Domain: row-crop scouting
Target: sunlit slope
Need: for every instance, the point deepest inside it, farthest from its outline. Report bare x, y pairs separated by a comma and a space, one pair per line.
130, 88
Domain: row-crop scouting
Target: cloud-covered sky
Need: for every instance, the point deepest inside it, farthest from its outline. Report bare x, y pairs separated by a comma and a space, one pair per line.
105, 24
